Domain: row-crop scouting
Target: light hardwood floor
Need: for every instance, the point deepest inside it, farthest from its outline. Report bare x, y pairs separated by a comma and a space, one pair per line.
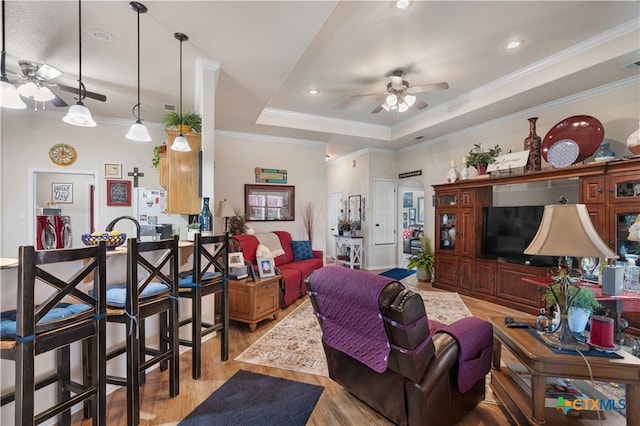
335, 407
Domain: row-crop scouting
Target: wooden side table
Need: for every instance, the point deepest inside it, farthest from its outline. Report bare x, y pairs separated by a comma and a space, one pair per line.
251, 302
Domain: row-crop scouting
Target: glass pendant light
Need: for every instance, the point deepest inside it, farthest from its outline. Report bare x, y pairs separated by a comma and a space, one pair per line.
138, 131
9, 97
180, 142
78, 114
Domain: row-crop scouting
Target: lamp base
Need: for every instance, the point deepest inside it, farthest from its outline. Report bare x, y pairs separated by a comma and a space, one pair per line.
564, 339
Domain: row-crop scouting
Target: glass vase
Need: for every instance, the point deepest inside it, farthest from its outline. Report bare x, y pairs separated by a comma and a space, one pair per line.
206, 218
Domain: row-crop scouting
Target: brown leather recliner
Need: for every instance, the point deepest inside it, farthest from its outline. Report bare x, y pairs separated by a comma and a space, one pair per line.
419, 386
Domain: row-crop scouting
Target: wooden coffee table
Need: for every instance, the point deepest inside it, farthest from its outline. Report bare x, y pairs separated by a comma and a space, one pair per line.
542, 362
251, 302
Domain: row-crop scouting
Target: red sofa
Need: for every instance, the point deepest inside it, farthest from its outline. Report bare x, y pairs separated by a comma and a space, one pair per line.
293, 272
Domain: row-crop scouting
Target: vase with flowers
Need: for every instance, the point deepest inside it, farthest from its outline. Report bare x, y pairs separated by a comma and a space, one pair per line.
344, 226
480, 159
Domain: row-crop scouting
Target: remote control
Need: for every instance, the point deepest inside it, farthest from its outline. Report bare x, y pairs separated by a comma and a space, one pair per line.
518, 325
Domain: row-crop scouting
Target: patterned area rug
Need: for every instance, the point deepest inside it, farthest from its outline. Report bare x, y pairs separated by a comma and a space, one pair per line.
295, 343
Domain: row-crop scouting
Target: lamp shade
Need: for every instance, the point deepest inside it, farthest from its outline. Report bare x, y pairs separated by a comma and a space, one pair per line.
138, 132
79, 115
28, 90
9, 97
44, 95
566, 230
180, 144
224, 209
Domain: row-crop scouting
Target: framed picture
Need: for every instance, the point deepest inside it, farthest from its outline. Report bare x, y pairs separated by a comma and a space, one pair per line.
269, 202
407, 200
250, 271
420, 209
62, 193
118, 193
404, 215
412, 214
113, 171
265, 267
236, 259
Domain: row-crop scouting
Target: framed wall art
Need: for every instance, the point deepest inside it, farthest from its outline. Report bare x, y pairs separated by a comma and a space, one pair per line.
118, 193
113, 171
61, 193
269, 203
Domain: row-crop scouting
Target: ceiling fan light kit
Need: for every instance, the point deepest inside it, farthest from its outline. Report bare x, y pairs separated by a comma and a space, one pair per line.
138, 131
9, 97
78, 114
180, 143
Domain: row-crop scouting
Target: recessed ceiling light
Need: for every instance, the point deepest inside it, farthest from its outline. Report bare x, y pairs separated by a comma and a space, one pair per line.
400, 5
100, 35
513, 44
313, 91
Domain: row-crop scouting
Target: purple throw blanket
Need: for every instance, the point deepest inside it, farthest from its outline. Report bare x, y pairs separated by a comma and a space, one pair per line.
351, 321
475, 347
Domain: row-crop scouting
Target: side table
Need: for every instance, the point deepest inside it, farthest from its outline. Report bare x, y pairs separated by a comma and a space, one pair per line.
349, 251
251, 302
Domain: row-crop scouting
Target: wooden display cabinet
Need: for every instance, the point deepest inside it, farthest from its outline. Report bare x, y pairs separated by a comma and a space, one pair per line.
180, 175
251, 302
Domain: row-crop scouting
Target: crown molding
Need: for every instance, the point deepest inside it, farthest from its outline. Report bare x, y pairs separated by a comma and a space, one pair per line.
267, 138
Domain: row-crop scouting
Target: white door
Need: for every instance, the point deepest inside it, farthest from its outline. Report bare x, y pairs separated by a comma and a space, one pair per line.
335, 205
383, 211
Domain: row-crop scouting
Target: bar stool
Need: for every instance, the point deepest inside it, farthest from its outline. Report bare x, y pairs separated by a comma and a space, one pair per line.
68, 314
208, 277
144, 295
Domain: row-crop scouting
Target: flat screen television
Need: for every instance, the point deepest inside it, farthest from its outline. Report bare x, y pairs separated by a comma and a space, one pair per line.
508, 231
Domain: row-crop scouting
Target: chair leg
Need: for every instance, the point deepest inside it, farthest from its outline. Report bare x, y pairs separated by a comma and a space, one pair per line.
174, 345
164, 338
142, 344
196, 333
87, 374
224, 333
63, 362
25, 384
133, 374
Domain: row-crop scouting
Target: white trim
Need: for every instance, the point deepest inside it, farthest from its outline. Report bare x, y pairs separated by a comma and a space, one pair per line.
268, 138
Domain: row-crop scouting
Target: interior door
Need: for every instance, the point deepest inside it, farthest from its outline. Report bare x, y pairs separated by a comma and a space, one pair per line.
383, 211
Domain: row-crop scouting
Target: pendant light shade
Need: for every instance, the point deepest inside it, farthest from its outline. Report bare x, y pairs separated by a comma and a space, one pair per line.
78, 114
9, 97
180, 143
138, 131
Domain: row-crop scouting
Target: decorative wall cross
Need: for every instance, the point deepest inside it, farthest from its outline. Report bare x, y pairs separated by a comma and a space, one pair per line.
136, 174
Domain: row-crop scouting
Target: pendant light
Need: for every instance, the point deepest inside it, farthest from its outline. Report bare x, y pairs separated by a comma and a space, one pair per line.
9, 97
78, 114
180, 142
138, 131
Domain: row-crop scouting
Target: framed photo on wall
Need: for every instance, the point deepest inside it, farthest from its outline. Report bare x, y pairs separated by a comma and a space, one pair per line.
412, 214
265, 267
112, 171
420, 209
62, 193
118, 193
407, 200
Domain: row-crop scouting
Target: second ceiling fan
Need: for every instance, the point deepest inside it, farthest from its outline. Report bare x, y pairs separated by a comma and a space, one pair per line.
400, 96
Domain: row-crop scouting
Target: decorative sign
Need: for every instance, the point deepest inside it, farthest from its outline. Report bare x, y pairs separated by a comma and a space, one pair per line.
62, 193
410, 174
118, 193
270, 175
509, 161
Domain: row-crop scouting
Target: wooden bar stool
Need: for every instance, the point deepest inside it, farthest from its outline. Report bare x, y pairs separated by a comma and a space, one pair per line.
208, 277
154, 292
68, 314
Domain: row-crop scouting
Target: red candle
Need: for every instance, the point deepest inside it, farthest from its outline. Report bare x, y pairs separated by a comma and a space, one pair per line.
601, 331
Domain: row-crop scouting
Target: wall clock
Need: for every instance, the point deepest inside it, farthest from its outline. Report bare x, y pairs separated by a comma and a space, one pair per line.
63, 154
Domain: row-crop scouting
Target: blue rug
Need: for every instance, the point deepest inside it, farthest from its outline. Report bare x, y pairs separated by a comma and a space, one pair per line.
398, 273
252, 399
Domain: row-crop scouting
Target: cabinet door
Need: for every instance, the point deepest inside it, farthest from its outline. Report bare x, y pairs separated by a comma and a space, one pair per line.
447, 199
511, 286
446, 271
624, 188
446, 230
464, 233
485, 279
184, 175
592, 190
465, 274
621, 218
598, 218
467, 198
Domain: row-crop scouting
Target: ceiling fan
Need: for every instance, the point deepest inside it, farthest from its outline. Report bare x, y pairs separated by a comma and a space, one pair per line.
35, 84
399, 96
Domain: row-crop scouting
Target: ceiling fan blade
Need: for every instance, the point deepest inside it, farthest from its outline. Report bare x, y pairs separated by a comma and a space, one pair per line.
377, 109
47, 72
58, 101
369, 94
421, 105
92, 95
428, 87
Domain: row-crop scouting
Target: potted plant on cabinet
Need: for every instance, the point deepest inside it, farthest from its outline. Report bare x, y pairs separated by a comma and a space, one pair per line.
480, 158
423, 260
190, 121
157, 150
583, 305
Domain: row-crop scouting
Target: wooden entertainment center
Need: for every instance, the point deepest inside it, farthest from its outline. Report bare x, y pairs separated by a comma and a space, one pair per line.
611, 192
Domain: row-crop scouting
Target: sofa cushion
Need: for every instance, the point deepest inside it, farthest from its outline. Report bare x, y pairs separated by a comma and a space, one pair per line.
302, 250
292, 282
305, 267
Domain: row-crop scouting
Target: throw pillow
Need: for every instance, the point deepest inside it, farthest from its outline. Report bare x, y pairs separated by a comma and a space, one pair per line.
263, 251
302, 250
407, 233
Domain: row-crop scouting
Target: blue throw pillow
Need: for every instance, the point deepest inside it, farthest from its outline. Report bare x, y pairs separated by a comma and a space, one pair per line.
302, 250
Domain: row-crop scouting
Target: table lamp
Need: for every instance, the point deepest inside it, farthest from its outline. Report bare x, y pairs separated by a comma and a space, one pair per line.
224, 210
566, 231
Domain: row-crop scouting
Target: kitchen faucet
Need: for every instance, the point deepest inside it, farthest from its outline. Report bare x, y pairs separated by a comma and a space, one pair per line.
119, 218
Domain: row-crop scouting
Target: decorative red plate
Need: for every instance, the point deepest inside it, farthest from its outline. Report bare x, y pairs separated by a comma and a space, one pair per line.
584, 130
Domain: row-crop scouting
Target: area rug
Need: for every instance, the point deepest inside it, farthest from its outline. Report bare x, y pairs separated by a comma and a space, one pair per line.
255, 399
398, 273
296, 342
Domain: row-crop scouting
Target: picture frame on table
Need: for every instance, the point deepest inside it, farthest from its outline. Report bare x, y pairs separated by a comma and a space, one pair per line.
265, 267
250, 271
236, 259
112, 171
